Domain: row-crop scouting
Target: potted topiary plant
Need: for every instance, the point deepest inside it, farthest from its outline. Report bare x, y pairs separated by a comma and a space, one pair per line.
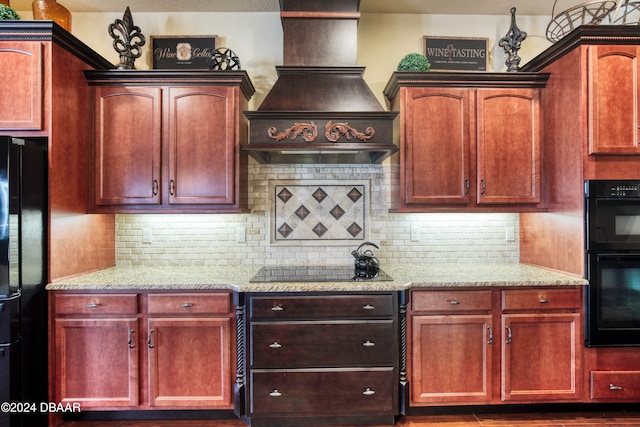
414, 62
8, 14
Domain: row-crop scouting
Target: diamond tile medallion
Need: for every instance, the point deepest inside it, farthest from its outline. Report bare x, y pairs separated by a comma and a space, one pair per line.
319, 211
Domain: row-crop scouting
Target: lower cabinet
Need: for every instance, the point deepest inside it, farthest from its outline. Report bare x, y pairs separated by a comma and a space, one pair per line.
142, 350
327, 357
495, 346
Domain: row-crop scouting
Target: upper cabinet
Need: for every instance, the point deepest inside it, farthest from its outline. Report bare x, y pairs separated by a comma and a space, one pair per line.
21, 102
613, 99
168, 141
468, 141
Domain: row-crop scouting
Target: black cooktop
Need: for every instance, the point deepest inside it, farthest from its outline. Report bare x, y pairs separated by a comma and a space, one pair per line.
317, 274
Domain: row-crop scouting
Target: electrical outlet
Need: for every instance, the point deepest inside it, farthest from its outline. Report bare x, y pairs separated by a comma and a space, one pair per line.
415, 233
510, 234
241, 235
147, 235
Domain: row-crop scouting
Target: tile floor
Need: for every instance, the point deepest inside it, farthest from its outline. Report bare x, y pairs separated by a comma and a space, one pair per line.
621, 418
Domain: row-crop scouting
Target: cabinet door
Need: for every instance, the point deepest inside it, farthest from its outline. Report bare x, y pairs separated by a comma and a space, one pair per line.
202, 134
96, 362
613, 100
541, 357
436, 146
451, 359
190, 362
508, 146
128, 132
21, 94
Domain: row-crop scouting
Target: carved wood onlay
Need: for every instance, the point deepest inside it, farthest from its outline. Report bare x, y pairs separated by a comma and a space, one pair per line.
333, 132
309, 132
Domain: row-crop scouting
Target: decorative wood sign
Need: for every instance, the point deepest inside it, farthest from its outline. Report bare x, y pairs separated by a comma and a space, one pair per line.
456, 53
182, 52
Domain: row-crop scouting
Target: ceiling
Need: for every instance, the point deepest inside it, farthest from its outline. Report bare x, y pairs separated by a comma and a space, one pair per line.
463, 7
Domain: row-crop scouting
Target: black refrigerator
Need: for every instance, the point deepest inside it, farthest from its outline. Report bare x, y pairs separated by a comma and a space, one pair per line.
23, 276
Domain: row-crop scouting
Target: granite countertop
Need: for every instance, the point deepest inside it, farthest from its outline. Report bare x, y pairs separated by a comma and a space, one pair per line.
237, 279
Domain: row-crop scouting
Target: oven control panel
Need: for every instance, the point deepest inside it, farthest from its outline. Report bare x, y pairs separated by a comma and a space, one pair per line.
617, 189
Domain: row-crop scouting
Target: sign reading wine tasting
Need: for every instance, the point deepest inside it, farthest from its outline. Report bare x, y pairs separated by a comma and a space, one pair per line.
455, 53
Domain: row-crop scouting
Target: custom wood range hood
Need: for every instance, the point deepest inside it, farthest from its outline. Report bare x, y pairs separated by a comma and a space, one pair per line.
320, 110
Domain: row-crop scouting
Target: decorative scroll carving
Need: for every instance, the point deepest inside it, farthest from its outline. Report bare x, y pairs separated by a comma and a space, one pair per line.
333, 131
309, 132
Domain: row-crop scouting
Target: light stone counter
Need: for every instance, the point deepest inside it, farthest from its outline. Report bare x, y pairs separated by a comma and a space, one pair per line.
237, 279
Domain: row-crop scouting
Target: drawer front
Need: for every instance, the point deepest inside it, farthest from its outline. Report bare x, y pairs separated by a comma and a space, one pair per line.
541, 299
615, 385
96, 304
450, 300
317, 344
189, 303
314, 307
330, 392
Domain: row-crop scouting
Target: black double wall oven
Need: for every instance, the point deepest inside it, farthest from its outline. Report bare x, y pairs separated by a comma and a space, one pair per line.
612, 240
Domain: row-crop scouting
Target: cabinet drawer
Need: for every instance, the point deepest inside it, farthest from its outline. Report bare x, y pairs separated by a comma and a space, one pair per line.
615, 385
189, 303
96, 304
541, 299
326, 392
317, 344
451, 300
314, 307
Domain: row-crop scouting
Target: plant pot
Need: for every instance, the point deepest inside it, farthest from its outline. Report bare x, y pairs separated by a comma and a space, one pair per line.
52, 10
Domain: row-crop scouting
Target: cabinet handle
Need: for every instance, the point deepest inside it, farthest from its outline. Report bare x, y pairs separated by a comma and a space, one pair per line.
172, 187
275, 344
544, 301
483, 187
149, 339
368, 343
369, 392
130, 340
467, 187
186, 305
368, 307
275, 393
277, 307
454, 302
93, 305
509, 335
614, 387
490, 335
154, 187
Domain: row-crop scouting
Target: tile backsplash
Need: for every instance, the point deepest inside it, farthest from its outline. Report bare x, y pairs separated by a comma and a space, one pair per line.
246, 239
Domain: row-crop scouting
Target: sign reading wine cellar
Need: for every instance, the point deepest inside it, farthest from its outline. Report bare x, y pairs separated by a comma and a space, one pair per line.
456, 54
177, 52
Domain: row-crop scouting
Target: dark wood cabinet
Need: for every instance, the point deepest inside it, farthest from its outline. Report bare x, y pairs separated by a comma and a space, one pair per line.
322, 356
468, 142
141, 351
613, 99
168, 143
495, 346
21, 97
96, 361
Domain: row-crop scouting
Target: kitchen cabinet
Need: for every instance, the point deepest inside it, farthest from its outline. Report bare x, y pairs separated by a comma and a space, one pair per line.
613, 99
328, 356
142, 350
164, 143
468, 142
21, 102
489, 346
96, 360
189, 350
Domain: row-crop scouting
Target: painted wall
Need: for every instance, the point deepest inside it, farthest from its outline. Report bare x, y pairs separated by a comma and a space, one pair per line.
383, 39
